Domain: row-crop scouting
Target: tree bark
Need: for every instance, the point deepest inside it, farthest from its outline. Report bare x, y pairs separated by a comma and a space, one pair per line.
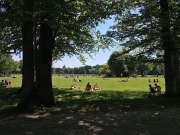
28, 56
177, 71
44, 79
169, 61
176, 56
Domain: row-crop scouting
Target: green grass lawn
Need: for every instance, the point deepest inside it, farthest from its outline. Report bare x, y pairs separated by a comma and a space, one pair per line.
112, 84
114, 94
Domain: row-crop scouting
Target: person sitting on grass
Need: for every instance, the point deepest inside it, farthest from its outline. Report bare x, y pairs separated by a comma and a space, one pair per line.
75, 80
154, 80
88, 87
157, 80
96, 87
7, 83
2, 84
158, 88
151, 89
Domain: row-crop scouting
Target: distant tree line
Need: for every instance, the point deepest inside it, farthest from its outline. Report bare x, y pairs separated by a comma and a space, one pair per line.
117, 65
77, 70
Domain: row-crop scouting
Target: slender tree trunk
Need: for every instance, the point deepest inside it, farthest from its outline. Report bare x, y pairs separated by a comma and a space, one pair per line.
44, 78
169, 61
35, 54
28, 57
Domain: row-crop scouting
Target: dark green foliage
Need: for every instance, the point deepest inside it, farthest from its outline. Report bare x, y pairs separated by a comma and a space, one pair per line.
116, 64
82, 70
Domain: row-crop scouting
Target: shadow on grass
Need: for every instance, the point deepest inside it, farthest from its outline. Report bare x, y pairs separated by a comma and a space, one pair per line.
77, 100
80, 100
100, 122
8, 102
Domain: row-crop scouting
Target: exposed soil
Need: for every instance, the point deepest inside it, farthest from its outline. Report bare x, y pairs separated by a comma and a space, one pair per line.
164, 121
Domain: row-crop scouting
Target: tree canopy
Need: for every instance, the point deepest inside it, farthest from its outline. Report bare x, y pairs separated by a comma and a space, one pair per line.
116, 64
150, 31
8, 65
47, 30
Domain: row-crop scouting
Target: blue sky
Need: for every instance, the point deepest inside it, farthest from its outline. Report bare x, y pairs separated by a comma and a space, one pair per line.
100, 58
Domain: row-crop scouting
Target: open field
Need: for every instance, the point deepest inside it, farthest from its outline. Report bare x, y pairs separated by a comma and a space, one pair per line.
114, 94
115, 84
119, 108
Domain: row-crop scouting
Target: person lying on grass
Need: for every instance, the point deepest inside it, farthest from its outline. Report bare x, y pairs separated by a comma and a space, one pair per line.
73, 87
124, 80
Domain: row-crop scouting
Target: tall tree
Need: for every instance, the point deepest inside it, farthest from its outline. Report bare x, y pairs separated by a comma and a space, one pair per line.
116, 64
148, 28
16, 67
104, 70
168, 46
6, 63
44, 77
69, 23
61, 27
82, 70
143, 68
160, 68
28, 87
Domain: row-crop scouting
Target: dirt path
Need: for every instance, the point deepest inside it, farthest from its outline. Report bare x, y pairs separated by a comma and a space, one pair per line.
132, 122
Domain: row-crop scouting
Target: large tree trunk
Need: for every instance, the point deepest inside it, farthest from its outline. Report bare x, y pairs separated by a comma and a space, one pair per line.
170, 74
28, 57
44, 79
176, 56
177, 71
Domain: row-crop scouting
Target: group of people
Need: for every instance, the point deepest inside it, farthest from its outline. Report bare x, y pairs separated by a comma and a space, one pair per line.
155, 80
5, 84
87, 88
155, 89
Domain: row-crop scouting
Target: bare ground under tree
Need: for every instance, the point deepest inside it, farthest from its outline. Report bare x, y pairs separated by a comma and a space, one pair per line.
162, 121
